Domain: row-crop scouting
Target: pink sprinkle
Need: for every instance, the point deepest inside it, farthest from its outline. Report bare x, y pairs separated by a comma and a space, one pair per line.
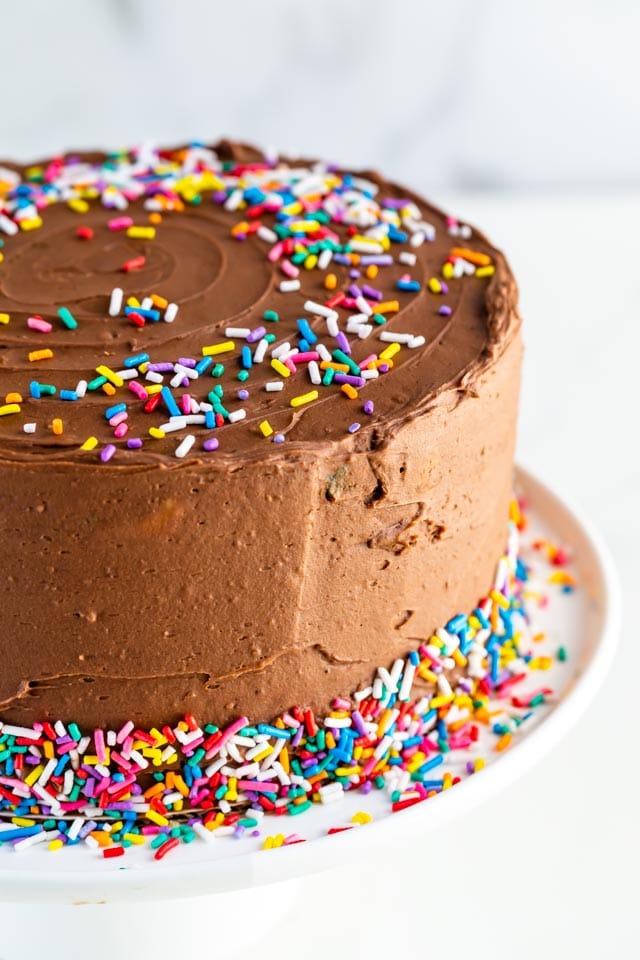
305, 357
37, 323
289, 269
138, 389
185, 401
98, 739
121, 430
120, 223
124, 731
275, 253
118, 418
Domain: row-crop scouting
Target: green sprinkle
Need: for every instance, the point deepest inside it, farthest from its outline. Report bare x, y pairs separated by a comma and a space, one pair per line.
327, 379
94, 384
379, 319
48, 389
67, 318
217, 370
158, 840
294, 808
271, 315
537, 700
270, 337
243, 375
562, 654
343, 357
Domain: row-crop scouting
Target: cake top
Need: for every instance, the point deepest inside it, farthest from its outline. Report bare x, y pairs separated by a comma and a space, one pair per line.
216, 302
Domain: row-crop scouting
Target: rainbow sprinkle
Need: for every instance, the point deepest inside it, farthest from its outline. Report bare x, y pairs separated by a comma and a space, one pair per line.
308, 220
114, 789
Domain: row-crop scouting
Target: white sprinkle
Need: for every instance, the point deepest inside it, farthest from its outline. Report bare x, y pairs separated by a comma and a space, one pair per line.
369, 374
237, 415
268, 235
81, 388
360, 246
408, 258
416, 342
35, 838
417, 239
281, 349
115, 304
241, 332
407, 682
260, 350
153, 376
27, 733
29, 428
318, 309
171, 313
176, 423
8, 226
323, 351
147, 303
130, 373
314, 372
333, 328
272, 386
233, 200
364, 330
325, 259
389, 337
363, 306
289, 286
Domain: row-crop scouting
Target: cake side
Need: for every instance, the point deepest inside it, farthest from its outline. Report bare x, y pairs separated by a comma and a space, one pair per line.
265, 574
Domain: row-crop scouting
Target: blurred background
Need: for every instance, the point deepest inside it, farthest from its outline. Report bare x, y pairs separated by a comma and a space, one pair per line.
523, 118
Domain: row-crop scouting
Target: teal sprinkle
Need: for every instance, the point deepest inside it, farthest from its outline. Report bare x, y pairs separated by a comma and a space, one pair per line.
295, 809
271, 315
243, 375
67, 318
94, 384
217, 370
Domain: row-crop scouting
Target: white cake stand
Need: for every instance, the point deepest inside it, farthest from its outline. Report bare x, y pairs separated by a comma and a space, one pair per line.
118, 907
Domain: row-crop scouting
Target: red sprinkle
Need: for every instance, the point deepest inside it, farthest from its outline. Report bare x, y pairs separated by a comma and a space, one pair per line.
165, 848
85, 233
135, 264
110, 852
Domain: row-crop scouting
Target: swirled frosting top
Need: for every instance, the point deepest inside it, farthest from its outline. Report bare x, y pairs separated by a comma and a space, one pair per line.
213, 302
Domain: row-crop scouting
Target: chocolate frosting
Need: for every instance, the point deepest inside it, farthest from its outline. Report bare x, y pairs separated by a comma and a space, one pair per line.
262, 574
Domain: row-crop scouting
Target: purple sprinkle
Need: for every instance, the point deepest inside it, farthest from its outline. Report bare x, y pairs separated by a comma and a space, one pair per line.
378, 259
354, 427
256, 334
384, 368
347, 378
243, 394
211, 444
187, 362
160, 367
342, 342
355, 291
107, 452
443, 287
368, 407
444, 310
278, 438
354, 274
342, 259
219, 196
371, 293
134, 443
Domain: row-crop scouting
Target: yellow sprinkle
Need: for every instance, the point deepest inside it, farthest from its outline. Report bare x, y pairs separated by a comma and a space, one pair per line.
440, 701
485, 271
434, 285
159, 302
265, 428
371, 271
153, 388
4, 318
78, 206
133, 302
90, 443
280, 368
40, 355
23, 822
500, 599
478, 764
156, 433
540, 663
33, 223
33, 776
361, 817
141, 233
330, 281
157, 818
459, 658
57, 426
1, 257
303, 398
388, 306
232, 790
9, 408
350, 391
215, 348
134, 838
447, 271
389, 351
447, 781
111, 375
55, 844
311, 261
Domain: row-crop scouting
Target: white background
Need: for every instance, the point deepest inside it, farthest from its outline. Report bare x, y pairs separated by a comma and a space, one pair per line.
523, 118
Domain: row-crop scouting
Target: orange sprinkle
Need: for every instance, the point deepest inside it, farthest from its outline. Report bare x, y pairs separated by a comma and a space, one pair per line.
57, 426
480, 259
350, 391
371, 271
504, 742
40, 355
330, 281
13, 398
388, 306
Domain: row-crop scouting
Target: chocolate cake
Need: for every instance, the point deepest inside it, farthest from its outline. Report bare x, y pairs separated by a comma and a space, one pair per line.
257, 433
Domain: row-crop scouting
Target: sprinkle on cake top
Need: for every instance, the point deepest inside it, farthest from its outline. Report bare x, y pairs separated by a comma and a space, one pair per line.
198, 302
